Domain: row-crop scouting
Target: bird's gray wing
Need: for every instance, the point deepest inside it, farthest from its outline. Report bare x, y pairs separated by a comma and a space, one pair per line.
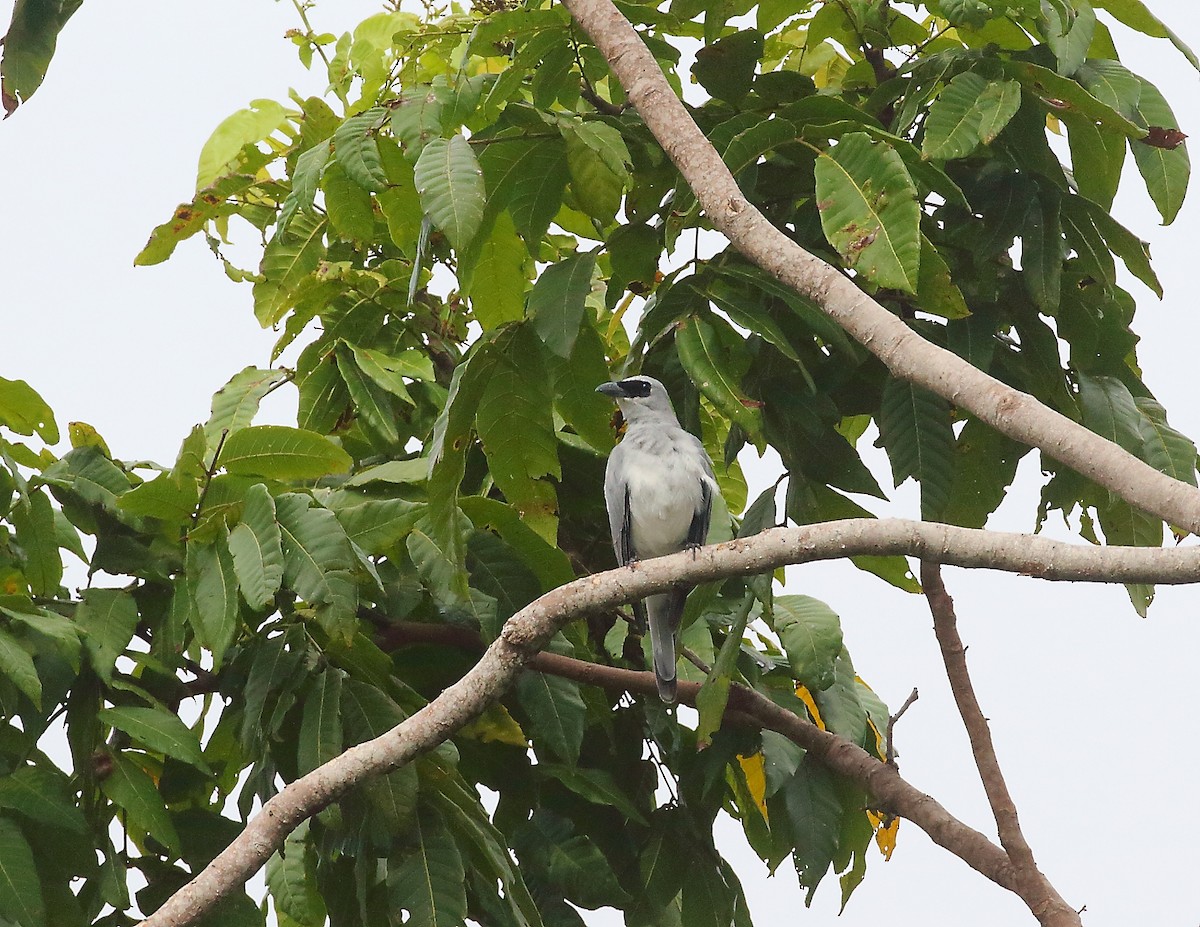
616, 500
698, 529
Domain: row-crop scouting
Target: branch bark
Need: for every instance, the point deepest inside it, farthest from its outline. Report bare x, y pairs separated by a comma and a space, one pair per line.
1029, 882
528, 631
906, 354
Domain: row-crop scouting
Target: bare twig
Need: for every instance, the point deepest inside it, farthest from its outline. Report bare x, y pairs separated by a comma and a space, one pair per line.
891, 727
1033, 887
209, 473
906, 354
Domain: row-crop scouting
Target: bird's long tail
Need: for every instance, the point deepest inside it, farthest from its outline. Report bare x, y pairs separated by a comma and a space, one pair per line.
663, 614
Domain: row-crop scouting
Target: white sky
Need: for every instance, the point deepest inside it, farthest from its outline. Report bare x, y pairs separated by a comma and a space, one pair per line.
1090, 705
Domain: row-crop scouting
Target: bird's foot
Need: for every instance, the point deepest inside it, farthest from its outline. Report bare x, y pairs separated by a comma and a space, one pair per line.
693, 548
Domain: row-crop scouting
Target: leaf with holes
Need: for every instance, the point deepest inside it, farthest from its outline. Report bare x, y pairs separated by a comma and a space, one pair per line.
869, 211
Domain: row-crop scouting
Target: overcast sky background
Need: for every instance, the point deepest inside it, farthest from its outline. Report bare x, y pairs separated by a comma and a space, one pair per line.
1091, 707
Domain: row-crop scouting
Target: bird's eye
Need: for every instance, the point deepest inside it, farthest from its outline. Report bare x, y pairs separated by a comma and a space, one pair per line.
635, 388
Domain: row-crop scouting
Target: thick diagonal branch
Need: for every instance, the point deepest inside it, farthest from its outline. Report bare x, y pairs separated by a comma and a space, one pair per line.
1034, 888
527, 632
905, 353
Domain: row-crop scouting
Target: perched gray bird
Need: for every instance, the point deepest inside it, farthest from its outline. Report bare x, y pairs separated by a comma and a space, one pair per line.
658, 489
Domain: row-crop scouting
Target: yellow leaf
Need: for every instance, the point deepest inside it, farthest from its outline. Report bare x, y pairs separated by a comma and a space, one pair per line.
756, 779
1053, 124
806, 697
496, 725
886, 828
84, 435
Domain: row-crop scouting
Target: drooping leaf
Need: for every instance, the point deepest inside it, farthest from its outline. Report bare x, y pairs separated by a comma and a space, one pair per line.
556, 712
557, 300
970, 111
107, 618
33, 519
709, 367
20, 886
291, 880
914, 427
42, 795
212, 586
451, 186
16, 664
29, 45
255, 545
1165, 170
321, 736
355, 149
129, 787
429, 881
726, 67
317, 559
245, 127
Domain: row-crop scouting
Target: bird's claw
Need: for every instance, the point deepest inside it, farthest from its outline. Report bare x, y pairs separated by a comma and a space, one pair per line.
693, 548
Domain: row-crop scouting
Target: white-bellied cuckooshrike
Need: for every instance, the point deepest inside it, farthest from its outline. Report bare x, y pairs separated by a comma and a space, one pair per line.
658, 489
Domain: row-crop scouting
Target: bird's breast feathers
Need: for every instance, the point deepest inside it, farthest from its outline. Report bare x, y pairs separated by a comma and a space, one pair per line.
665, 483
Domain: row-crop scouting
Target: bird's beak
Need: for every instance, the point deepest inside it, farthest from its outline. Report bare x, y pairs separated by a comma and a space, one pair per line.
611, 389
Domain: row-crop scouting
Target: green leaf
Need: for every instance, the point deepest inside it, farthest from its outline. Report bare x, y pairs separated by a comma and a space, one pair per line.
25, 412
1132, 251
321, 736
516, 427
1109, 410
709, 367
130, 788
169, 497
527, 178
936, 290
1163, 447
288, 259
348, 205
969, 111
869, 211
811, 634
388, 372
714, 692
292, 881
306, 179
317, 558
20, 886
29, 45
450, 184
216, 201
1165, 170
596, 785
1042, 252
374, 405
497, 279
1065, 97
1136, 15
107, 618
546, 560
43, 796
245, 127
235, 404
809, 805
429, 883
374, 524
16, 664
598, 162
556, 712
438, 547
985, 464
556, 302
159, 731
33, 519
212, 585
257, 550
282, 453
914, 428
725, 68
497, 570
355, 149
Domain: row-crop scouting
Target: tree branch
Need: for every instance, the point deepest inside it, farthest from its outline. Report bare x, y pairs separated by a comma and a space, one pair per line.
528, 631
1030, 884
906, 354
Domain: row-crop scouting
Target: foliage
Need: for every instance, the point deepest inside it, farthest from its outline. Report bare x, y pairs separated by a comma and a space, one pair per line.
448, 456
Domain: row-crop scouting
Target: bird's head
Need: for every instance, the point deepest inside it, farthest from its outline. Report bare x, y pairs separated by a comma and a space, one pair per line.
640, 398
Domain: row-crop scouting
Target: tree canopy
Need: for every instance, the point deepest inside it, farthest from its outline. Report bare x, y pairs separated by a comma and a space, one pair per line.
469, 232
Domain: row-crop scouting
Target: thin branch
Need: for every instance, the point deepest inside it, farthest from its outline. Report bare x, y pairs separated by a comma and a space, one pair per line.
906, 354
1034, 888
891, 727
209, 473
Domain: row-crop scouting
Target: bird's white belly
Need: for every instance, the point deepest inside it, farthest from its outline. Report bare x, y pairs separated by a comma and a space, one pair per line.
664, 493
